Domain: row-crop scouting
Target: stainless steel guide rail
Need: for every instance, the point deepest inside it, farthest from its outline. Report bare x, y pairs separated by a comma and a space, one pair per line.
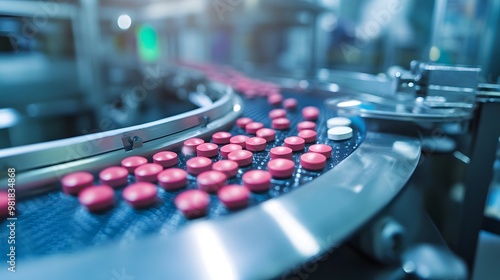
287, 230
41, 164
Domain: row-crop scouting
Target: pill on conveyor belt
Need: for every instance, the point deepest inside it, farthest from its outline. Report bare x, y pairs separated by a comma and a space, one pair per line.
226, 149
198, 165
242, 122
239, 140
140, 195
338, 121
250, 93
313, 161
281, 152
252, 127
290, 103
306, 125
242, 157
97, 198
4, 205
228, 167
243, 86
275, 99
257, 180
280, 167
172, 179
207, 150
308, 135
191, 144
266, 133
281, 123
256, 144
277, 113
221, 137
273, 91
321, 149
310, 113
234, 196
114, 176
166, 158
148, 172
192, 203
211, 181
75, 182
339, 133
131, 163
295, 143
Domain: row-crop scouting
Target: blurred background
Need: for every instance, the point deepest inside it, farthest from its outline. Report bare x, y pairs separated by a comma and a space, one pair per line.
64, 62
70, 59
75, 67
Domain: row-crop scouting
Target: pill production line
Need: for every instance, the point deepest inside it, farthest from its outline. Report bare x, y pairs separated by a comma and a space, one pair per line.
246, 139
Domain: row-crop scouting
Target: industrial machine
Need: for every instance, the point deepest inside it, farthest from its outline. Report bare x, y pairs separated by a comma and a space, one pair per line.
86, 84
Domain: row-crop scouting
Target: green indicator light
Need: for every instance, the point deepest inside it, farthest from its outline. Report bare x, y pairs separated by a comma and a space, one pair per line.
147, 42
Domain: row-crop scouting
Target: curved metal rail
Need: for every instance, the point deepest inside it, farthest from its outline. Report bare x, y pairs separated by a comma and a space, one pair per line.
39, 165
263, 241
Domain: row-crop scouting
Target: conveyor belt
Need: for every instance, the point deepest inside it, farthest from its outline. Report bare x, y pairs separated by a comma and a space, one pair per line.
55, 223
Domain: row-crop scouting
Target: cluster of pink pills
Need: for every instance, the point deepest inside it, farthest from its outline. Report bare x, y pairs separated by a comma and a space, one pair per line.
314, 160
210, 177
214, 163
250, 88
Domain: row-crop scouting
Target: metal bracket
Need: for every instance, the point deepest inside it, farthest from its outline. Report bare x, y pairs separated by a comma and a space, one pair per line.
204, 121
439, 85
131, 142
